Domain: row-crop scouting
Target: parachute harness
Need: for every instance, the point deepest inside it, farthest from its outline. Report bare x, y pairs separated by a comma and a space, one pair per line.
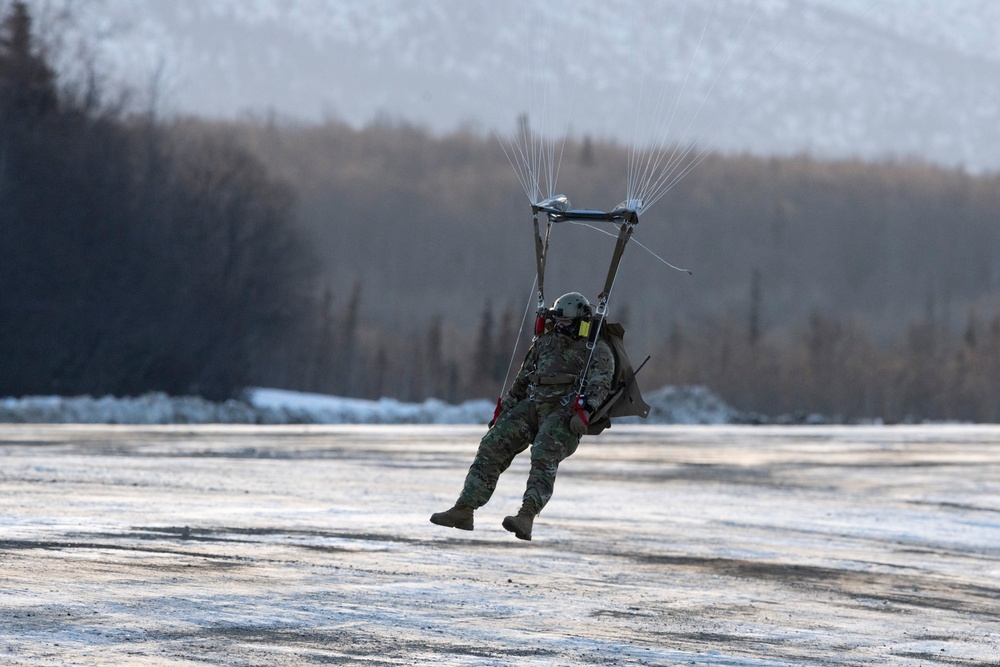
557, 209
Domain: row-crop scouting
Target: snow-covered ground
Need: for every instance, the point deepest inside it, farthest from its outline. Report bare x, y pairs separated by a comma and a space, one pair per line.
298, 545
670, 405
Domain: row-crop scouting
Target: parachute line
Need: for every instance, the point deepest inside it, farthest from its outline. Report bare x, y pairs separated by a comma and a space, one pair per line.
653, 170
657, 175
637, 242
677, 99
520, 332
669, 179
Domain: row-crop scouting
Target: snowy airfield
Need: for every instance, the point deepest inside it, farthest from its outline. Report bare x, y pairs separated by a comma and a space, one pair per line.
663, 545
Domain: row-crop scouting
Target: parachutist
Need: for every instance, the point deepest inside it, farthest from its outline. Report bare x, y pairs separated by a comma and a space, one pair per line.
542, 409
575, 377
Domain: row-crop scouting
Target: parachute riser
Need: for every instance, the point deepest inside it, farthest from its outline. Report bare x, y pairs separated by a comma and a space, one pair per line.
624, 234
541, 252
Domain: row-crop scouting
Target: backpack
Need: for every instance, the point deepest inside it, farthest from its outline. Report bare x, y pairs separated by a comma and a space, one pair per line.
625, 400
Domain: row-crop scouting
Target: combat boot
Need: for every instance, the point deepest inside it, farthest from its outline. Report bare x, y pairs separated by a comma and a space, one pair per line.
459, 516
520, 525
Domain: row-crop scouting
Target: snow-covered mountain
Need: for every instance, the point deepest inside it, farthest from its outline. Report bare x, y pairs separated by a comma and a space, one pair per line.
871, 78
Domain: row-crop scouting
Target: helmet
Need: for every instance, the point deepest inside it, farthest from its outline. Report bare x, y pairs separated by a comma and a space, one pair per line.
572, 305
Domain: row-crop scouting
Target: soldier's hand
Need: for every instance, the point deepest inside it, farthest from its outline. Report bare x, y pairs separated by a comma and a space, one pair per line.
507, 403
579, 422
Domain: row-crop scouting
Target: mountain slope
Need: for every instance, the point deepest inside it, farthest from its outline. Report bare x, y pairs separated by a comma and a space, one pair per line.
844, 78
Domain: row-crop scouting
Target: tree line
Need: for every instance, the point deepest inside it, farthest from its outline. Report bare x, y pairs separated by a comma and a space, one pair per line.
841, 287
190, 256
448, 226
131, 259
835, 368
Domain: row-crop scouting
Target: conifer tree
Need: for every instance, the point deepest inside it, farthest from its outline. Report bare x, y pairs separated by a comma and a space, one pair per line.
436, 371
348, 342
483, 356
27, 83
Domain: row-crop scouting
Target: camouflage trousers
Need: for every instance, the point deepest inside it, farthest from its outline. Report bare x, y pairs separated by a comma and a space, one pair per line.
542, 425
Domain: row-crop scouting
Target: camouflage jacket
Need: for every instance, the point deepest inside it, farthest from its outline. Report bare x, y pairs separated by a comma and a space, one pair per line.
552, 368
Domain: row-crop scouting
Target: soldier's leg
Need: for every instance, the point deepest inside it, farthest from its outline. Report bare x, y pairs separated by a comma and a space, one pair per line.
510, 436
553, 443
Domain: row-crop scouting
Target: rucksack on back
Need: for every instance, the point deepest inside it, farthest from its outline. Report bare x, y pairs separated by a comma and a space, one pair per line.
625, 399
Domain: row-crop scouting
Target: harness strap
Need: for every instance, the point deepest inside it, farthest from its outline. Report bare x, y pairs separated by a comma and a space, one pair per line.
555, 378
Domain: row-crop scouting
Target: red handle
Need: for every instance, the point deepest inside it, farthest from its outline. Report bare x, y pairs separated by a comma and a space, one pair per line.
578, 409
496, 412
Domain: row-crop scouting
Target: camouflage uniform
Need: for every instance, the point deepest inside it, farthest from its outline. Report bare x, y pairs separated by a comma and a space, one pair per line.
536, 411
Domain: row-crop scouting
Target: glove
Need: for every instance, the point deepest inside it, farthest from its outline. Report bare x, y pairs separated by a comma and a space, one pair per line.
504, 403
508, 402
579, 422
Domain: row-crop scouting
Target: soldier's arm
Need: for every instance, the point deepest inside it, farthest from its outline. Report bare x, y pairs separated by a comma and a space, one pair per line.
601, 375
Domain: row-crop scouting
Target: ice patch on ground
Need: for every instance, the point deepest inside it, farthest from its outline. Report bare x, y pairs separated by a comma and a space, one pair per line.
669, 405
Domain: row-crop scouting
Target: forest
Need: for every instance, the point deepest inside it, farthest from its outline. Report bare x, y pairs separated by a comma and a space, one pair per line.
132, 260
200, 257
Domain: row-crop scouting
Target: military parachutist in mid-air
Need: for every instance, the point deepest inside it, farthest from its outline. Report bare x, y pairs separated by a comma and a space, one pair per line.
575, 377
542, 410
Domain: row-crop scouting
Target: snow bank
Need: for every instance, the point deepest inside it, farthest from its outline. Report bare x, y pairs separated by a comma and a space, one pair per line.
259, 406
155, 408
669, 405
689, 405
297, 407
